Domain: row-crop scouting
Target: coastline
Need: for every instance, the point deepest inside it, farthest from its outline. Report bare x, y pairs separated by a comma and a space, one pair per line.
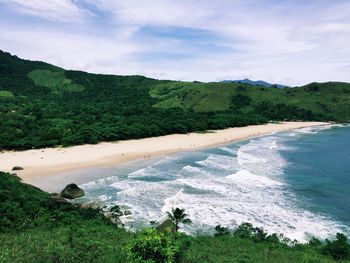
40, 163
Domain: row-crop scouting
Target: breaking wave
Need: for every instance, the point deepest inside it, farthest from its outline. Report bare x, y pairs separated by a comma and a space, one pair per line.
229, 185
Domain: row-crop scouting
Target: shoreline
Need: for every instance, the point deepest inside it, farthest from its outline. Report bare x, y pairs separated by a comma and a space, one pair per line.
45, 162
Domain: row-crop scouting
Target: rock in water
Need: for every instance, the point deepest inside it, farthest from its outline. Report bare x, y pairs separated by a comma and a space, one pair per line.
127, 212
72, 191
17, 168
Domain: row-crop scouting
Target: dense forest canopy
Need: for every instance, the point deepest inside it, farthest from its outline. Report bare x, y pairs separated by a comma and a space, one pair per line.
42, 105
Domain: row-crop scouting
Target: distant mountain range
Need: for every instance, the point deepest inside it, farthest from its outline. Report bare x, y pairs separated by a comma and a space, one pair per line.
256, 83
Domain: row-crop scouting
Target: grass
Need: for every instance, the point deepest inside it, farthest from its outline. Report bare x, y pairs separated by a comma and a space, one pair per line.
56, 81
88, 241
197, 96
326, 98
226, 249
91, 241
6, 94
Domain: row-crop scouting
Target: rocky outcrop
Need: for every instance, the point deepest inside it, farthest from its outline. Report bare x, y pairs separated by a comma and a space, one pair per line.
17, 168
57, 200
90, 205
72, 191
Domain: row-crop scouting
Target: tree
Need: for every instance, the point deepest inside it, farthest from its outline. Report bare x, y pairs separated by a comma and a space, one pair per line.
177, 216
240, 100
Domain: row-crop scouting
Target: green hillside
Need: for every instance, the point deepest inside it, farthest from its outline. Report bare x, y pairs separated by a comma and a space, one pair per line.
327, 100
42, 105
56, 81
35, 227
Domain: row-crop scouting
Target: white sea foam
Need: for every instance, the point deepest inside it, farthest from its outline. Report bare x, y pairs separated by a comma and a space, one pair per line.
212, 185
262, 157
90, 186
307, 130
264, 208
147, 171
104, 198
274, 145
316, 129
229, 150
344, 125
146, 200
192, 170
249, 180
219, 189
165, 160
222, 162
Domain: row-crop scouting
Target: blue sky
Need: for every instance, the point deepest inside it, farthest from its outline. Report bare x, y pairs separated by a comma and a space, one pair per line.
292, 42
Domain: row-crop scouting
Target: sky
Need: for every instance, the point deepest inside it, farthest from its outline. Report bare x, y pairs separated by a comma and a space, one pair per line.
292, 42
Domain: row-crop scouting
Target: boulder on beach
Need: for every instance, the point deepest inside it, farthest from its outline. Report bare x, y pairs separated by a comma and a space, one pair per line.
17, 168
72, 191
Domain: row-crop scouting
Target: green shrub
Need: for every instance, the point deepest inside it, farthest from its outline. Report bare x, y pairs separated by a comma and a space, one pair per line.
24, 206
221, 231
314, 242
339, 249
247, 231
152, 246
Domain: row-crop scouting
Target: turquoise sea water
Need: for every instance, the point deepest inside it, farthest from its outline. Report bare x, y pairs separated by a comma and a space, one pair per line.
296, 183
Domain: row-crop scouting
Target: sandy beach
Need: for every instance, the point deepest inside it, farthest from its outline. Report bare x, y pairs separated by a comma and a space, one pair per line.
44, 162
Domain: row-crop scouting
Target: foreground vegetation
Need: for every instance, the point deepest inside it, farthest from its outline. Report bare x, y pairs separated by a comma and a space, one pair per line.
42, 105
35, 227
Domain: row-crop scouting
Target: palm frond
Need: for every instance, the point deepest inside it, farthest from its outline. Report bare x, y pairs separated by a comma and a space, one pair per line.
170, 216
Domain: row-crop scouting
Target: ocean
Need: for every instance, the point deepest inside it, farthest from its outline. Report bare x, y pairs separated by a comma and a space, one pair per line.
295, 183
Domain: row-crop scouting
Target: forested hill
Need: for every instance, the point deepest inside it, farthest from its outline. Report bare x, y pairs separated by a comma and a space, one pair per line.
43, 105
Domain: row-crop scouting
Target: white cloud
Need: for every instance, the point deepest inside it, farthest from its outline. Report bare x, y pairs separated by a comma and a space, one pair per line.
152, 12
70, 50
54, 10
278, 41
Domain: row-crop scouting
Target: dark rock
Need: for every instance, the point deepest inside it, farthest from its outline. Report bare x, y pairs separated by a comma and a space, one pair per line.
127, 212
116, 211
90, 205
72, 191
57, 200
17, 168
